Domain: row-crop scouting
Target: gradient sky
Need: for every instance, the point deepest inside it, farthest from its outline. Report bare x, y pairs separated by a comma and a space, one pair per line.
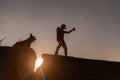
97, 23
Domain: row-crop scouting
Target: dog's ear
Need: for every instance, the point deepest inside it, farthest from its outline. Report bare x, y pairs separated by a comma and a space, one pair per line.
31, 34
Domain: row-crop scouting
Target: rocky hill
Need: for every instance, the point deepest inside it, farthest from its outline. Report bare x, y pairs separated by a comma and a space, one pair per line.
71, 68
16, 63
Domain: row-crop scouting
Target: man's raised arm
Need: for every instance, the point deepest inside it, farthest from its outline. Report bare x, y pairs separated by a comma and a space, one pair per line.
69, 31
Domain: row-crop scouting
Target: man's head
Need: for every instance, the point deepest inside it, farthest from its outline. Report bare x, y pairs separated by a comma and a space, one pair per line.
63, 26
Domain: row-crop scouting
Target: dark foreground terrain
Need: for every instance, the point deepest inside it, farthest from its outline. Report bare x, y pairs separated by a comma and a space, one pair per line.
16, 63
70, 68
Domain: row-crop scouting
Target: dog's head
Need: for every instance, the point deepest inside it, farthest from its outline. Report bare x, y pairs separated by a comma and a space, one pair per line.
32, 38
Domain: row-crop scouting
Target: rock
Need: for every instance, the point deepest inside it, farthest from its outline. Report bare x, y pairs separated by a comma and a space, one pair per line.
71, 68
16, 63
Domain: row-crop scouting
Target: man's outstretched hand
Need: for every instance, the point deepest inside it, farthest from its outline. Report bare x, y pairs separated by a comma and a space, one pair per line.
73, 29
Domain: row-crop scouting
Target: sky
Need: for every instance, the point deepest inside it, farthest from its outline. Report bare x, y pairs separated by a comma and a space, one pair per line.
97, 24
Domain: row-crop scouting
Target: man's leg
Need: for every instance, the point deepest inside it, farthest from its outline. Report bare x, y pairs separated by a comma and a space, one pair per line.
65, 47
58, 47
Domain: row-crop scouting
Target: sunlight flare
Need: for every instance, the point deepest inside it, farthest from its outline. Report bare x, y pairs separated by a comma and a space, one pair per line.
38, 63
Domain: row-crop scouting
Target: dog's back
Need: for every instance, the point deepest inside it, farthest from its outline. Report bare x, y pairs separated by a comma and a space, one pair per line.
26, 43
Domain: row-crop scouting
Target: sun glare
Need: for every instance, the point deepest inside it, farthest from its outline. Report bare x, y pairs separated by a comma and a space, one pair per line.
38, 63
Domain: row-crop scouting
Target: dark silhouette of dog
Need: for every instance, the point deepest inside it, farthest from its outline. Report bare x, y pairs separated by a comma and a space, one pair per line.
26, 43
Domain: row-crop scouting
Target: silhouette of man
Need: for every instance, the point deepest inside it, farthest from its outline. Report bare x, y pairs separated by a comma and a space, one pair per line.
60, 38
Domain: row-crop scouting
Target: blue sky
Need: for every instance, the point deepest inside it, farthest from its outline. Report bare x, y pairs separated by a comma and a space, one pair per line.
97, 25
